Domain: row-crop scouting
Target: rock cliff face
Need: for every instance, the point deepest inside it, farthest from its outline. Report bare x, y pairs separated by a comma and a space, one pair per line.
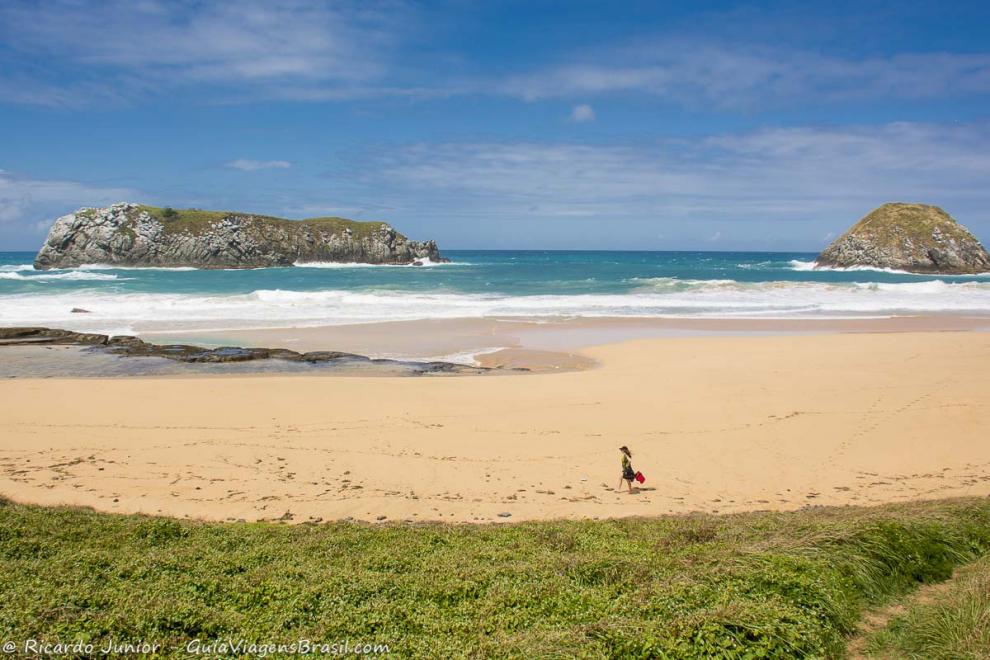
912, 237
133, 235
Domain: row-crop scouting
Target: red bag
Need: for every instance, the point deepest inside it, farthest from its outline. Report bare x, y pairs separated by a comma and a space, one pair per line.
640, 478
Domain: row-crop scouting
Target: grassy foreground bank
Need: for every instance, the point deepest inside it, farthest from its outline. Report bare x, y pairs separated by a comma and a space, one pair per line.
748, 585
952, 625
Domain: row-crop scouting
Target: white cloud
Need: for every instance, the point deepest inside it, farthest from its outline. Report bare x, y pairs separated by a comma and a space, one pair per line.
125, 50
738, 75
582, 113
116, 52
29, 206
248, 165
798, 174
19, 196
787, 188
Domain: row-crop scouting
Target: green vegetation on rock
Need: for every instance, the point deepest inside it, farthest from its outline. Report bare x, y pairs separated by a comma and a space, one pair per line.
912, 237
132, 235
196, 221
913, 222
753, 585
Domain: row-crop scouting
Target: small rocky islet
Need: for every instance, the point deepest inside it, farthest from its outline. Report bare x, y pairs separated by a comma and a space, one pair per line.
135, 235
917, 238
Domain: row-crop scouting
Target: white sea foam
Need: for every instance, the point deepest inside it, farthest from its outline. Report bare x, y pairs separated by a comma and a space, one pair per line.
336, 265
469, 358
45, 275
656, 297
118, 267
799, 265
425, 262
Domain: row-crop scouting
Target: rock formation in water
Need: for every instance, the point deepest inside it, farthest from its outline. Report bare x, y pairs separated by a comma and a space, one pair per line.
133, 235
913, 237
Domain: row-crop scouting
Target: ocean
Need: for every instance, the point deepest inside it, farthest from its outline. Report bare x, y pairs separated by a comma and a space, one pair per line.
530, 284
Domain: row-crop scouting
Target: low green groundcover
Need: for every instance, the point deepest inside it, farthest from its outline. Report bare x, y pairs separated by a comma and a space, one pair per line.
749, 585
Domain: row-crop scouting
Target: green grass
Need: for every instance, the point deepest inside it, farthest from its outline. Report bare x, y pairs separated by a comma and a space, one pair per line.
955, 626
891, 223
752, 585
196, 221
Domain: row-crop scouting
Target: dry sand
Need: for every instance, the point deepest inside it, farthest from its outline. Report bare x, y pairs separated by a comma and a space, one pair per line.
716, 424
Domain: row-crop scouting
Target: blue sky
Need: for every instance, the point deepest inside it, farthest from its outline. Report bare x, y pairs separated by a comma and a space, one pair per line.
570, 125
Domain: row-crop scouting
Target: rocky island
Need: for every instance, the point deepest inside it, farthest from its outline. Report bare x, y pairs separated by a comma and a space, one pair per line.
912, 237
136, 235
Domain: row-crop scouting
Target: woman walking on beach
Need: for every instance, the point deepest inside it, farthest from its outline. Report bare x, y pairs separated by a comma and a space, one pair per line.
628, 474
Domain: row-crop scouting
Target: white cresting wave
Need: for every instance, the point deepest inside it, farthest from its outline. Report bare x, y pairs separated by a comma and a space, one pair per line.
797, 264
653, 297
425, 262
116, 267
47, 275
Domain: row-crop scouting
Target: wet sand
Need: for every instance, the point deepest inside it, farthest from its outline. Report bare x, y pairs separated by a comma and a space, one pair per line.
540, 344
717, 423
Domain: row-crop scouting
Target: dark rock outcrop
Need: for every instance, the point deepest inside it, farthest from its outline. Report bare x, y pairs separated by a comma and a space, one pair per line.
133, 235
129, 346
21, 336
913, 237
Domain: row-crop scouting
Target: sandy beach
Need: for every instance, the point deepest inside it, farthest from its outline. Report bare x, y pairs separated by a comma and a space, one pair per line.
716, 423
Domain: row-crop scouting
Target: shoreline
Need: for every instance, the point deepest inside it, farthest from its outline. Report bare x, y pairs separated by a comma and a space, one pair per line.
718, 424
453, 347
542, 344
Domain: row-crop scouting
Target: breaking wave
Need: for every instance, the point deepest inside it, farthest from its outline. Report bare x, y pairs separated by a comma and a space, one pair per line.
46, 275
652, 297
424, 262
797, 264
147, 268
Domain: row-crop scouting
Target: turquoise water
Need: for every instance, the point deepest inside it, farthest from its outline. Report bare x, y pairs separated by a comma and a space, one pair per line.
477, 283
